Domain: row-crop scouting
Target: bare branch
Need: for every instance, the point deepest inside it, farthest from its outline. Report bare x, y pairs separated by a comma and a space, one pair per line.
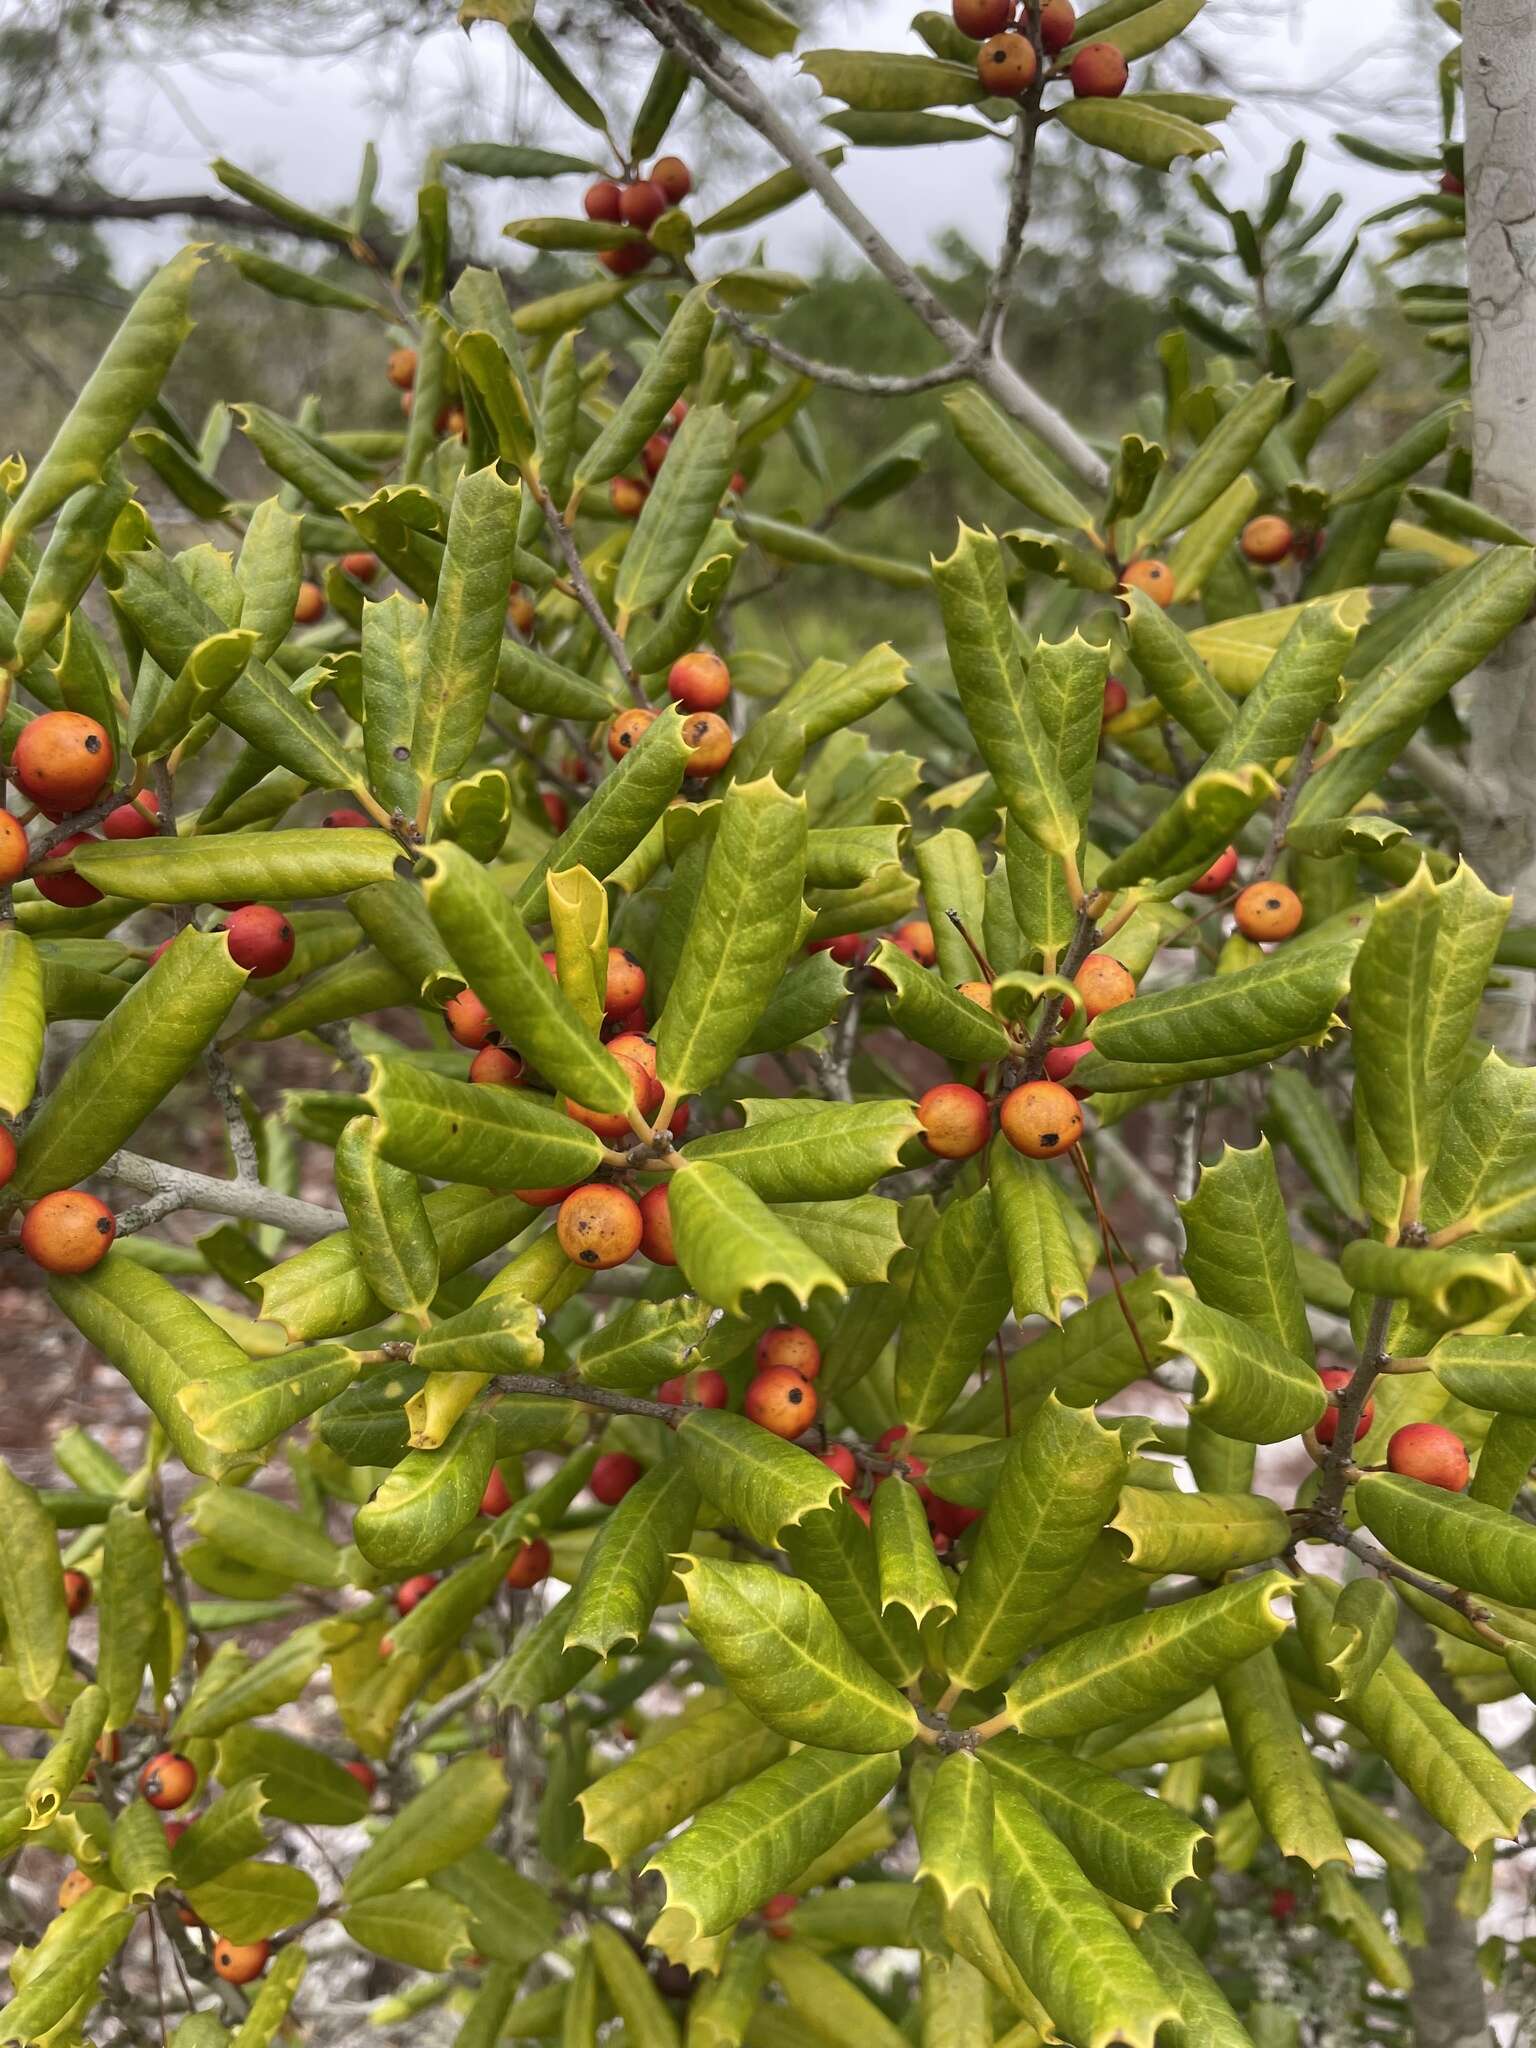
866, 383
253, 1203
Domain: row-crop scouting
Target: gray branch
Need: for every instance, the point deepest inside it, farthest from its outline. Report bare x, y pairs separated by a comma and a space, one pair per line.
251, 1202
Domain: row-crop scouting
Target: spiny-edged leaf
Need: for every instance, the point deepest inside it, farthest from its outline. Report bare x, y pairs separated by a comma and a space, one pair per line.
1238, 1245
1060, 1477
1299, 686
451, 1815
32, 1590
1172, 668
430, 1123
762, 1484
1066, 680
21, 996
500, 1334
1225, 1022
1225, 452
676, 516
931, 1013
1389, 991
1457, 1286
954, 1830
994, 692
756, 1840
642, 1344
786, 1658
162, 717
1149, 1663
622, 810
1134, 1847
1045, 1265
799, 1151
1070, 1948
1485, 1176
834, 1553
319, 862
860, 1239
1205, 2019
960, 1297
388, 1220
911, 1576
578, 915
1282, 1779
1001, 451
124, 382
673, 1776
241, 1410
505, 969
1204, 1533
1205, 816
427, 1499
159, 1339
730, 1244
1252, 1387
1459, 1540
1451, 641
630, 1560
69, 1974
129, 1064
1346, 1633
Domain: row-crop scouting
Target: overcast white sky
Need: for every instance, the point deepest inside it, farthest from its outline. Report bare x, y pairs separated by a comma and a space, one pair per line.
303, 119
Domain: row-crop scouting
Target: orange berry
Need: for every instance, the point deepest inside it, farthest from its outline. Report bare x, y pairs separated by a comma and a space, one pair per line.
542, 1198
642, 204
452, 419
1041, 1119
7, 1155
168, 1780
703, 1389
1007, 64
129, 821
520, 611
1217, 875
699, 681
956, 1120
789, 1344
656, 1227
915, 939
601, 200
14, 851
1058, 25
68, 1232
260, 939
1327, 1427
709, 740
674, 178
1155, 579
613, 1123
612, 1476
980, 19
77, 1592
494, 1065
781, 1400
636, 1046
1099, 72
310, 606
75, 1886
1104, 984
1267, 539
1430, 1453
627, 494
401, 368
624, 986
530, 1565
599, 1226
62, 761
1267, 911
360, 566
469, 1021
411, 1592
237, 1962
977, 992
627, 730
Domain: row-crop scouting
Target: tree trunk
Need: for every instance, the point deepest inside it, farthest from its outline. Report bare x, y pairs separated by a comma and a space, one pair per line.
1499, 820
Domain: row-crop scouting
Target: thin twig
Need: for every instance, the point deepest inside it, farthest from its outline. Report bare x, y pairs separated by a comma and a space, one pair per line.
1352, 1400
1301, 770
865, 382
586, 596
242, 1140
223, 1197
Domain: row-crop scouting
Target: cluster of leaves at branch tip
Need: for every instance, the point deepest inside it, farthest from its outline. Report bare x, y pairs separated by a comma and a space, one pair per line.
753, 1095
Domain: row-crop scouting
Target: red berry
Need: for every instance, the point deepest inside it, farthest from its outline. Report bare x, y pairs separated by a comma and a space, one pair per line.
642, 204
1430, 1453
886, 1443
656, 1227
1282, 1904
789, 1344
602, 200
168, 1780
780, 1399
530, 1565
673, 176
1099, 72
7, 1155
1116, 697
705, 1388
496, 1067
654, 454
623, 986
495, 1500
260, 939
77, 1592
347, 820
839, 1459
1217, 875
699, 681
365, 1775
776, 1913
612, 1477
1061, 1059
1327, 1429
128, 820
70, 891
555, 809
411, 1592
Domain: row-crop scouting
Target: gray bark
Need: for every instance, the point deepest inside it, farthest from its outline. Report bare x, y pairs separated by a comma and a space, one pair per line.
1499, 811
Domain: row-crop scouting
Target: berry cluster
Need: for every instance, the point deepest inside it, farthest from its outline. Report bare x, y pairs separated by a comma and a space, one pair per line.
1012, 51
637, 203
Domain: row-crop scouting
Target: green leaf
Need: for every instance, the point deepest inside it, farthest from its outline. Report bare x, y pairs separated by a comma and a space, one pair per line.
124, 382
740, 939
762, 1484
1100, 1351
253, 1901
1282, 1779
703, 1756
1399, 1094
1483, 1177
1173, 669
1251, 1386
954, 1829
731, 1245
911, 1576
994, 692
628, 1566
242, 1410
324, 861
512, 1919
1404, 457
1297, 1113
961, 1294
1061, 1475
1071, 1950
683, 503
451, 1815
55, 1990
422, 1929
1205, 816
1222, 456
1040, 1233
792, 1150
394, 668
427, 1499
932, 1014
1454, 1287
889, 82
261, 1532
904, 131
1299, 686
1149, 1663
1497, 1373
1135, 27
388, 1221
834, 1553
760, 1836
785, 1657
1238, 1244
296, 1781
159, 1340
513, 160
499, 1335
997, 447
21, 996
32, 1590
1135, 1848
131, 1607
468, 621
69, 562
1462, 1541
274, 1681
141, 1856
429, 1123
672, 367
1470, 621
129, 1064
1203, 1533
642, 1344
301, 286
1139, 129
1346, 1633
1205, 2019
830, 2006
